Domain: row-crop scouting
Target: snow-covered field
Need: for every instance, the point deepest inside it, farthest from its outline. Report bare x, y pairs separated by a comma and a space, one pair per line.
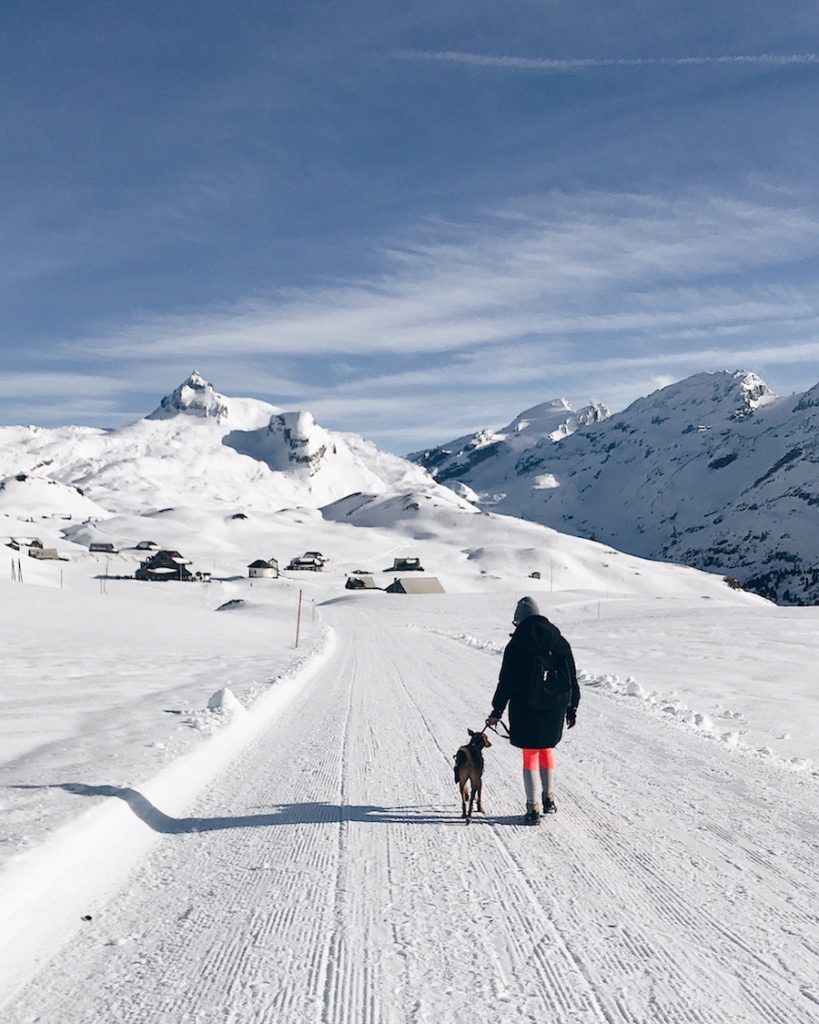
299, 857
204, 823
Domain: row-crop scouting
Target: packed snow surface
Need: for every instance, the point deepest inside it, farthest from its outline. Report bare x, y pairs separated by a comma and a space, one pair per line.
304, 859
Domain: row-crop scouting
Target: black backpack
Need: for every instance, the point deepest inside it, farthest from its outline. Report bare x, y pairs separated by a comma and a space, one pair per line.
549, 680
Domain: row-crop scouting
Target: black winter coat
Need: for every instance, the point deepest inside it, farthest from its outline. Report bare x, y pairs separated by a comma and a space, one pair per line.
529, 726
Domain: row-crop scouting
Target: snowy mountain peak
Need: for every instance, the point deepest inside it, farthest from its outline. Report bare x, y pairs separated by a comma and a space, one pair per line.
537, 412
489, 449
722, 395
594, 412
306, 442
754, 390
194, 397
553, 419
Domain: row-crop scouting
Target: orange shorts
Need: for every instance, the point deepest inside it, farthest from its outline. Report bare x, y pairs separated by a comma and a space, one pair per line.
534, 759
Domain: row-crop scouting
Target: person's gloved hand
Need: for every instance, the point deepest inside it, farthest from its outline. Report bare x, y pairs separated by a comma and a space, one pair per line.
492, 720
571, 717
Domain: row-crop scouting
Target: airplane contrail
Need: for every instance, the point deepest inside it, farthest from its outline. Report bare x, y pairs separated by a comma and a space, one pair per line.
557, 64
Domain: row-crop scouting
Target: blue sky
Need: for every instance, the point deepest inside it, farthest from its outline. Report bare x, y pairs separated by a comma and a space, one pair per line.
414, 219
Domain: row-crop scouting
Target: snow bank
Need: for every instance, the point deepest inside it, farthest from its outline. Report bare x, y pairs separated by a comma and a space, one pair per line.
45, 894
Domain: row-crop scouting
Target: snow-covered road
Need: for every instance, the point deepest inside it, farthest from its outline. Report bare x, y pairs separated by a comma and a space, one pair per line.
325, 876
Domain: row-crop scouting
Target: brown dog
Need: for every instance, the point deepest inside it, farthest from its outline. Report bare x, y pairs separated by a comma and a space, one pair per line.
469, 772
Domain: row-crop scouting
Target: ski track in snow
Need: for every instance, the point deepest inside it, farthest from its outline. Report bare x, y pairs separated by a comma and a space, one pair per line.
326, 876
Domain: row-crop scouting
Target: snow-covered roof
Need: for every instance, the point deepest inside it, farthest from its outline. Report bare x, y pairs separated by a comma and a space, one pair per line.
416, 585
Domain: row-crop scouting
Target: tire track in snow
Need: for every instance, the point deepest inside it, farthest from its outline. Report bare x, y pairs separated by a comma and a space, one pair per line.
674, 943
774, 1006
309, 867
686, 938
531, 951
344, 888
549, 978
346, 978
760, 952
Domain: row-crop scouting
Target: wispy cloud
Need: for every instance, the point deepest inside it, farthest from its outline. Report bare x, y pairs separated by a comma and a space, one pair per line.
590, 295
549, 267
59, 385
557, 65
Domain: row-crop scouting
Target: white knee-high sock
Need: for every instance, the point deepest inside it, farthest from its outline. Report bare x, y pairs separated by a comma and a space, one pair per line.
546, 781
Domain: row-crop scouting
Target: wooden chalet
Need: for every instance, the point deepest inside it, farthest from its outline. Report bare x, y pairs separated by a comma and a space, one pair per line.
306, 564
167, 565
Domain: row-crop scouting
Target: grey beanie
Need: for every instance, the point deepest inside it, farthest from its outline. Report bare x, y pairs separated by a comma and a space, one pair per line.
526, 606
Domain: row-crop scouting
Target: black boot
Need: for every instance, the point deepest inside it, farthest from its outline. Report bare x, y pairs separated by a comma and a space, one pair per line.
549, 806
532, 815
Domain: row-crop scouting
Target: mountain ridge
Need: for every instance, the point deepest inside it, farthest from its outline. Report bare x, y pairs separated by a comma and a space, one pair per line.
715, 471
199, 446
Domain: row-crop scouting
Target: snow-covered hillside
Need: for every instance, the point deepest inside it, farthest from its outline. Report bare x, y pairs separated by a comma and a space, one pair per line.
715, 471
200, 448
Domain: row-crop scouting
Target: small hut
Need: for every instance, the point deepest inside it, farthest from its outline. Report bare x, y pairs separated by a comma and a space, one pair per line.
263, 569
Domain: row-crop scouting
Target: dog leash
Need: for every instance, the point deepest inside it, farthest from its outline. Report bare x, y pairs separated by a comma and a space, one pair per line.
494, 729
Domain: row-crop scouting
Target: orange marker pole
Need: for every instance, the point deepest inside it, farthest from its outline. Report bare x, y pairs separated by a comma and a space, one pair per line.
298, 617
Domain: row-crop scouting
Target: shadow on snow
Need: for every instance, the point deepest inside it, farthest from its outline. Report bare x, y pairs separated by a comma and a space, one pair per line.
316, 813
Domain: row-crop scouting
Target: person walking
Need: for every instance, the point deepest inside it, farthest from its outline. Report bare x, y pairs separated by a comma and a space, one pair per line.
538, 680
